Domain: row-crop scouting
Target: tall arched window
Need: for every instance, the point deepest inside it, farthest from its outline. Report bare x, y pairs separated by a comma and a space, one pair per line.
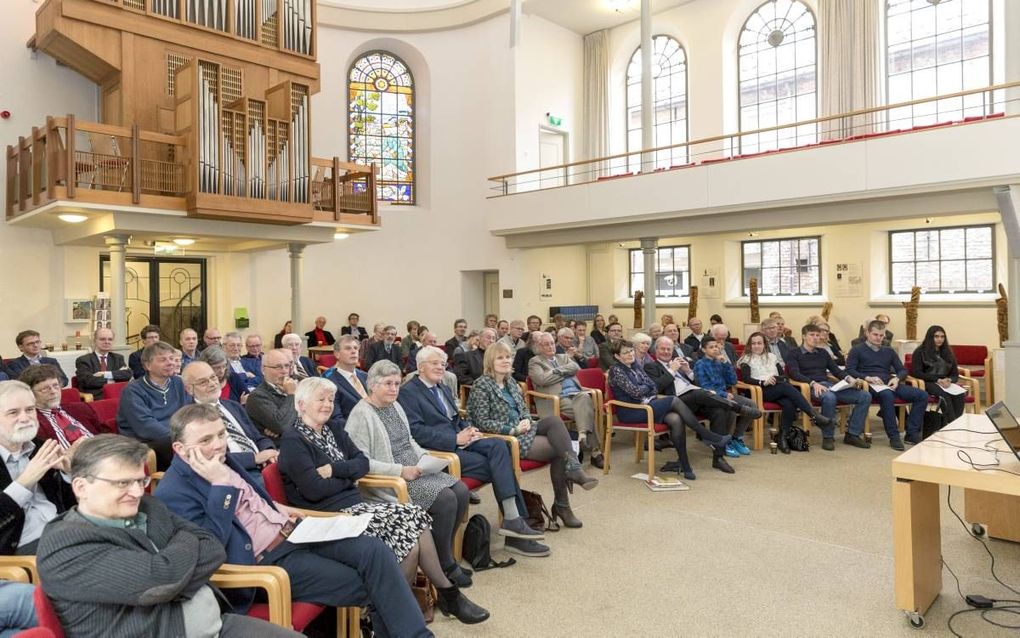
777, 74
936, 47
669, 102
380, 112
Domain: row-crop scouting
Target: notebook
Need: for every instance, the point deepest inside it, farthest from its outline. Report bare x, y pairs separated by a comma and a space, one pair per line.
1007, 426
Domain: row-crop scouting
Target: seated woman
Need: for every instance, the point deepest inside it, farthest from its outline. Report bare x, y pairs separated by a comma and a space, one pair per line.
378, 425
288, 328
642, 344
598, 329
232, 385
497, 405
761, 367
827, 341
321, 465
631, 384
934, 363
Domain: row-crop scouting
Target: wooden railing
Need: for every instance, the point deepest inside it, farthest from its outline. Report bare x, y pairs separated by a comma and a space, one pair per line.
344, 189
975, 105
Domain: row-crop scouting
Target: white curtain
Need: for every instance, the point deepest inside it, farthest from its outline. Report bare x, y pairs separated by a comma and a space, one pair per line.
849, 65
595, 119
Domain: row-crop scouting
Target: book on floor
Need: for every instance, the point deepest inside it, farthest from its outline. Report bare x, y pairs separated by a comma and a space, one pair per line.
662, 484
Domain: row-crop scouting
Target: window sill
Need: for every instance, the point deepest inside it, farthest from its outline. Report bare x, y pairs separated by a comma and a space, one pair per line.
790, 302
937, 300
660, 302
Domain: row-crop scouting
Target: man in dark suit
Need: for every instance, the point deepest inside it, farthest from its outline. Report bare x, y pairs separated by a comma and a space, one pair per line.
774, 340
148, 336
120, 564
353, 328
435, 424
303, 366
245, 444
385, 349
693, 340
468, 365
614, 332
459, 337
319, 336
351, 383
64, 423
33, 490
523, 356
680, 347
30, 344
101, 366
721, 334
206, 486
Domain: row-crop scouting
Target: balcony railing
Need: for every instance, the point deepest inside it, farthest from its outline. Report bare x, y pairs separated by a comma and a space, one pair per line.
905, 117
344, 189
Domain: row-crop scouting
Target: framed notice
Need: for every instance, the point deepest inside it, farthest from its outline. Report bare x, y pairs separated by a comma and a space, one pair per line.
849, 281
709, 288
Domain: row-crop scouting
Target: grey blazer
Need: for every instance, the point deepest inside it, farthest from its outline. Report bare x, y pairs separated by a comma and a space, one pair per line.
367, 431
549, 380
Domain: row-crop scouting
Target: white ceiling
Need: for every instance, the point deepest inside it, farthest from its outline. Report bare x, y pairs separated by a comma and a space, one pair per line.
588, 16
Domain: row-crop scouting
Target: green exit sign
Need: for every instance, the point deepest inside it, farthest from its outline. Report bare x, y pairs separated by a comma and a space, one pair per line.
553, 120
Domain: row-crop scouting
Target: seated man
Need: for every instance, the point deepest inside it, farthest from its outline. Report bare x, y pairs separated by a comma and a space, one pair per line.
249, 448
502, 329
879, 365
232, 386
523, 356
556, 374
207, 487
774, 340
188, 341
588, 347
253, 346
271, 405
614, 333
245, 369
148, 336
566, 343
303, 366
120, 564
30, 344
211, 337
721, 335
515, 335
349, 380
101, 366
693, 340
435, 424
386, 349
468, 365
458, 339
785, 334
31, 476
147, 404
811, 364
680, 348
65, 424
715, 373
352, 328
534, 323
319, 336
426, 338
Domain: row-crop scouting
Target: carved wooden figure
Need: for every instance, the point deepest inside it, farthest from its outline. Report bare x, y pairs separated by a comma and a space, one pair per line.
692, 306
1002, 315
755, 315
639, 297
826, 310
911, 306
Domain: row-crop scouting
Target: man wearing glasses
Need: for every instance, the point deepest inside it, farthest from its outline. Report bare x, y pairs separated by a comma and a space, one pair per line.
120, 564
67, 424
350, 382
271, 405
30, 344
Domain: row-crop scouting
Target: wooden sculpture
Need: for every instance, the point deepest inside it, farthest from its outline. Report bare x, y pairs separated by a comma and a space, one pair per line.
911, 306
639, 297
1002, 315
692, 305
826, 310
753, 285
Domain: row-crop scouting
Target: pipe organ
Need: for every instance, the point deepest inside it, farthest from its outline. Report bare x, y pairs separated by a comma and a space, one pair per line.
250, 19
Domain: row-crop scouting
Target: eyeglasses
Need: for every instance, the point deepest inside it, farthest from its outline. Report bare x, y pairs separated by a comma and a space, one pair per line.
31, 343
125, 484
389, 384
282, 366
213, 380
434, 362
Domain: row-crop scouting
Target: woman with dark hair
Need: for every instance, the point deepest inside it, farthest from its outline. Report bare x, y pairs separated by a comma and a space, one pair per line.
287, 329
631, 384
714, 319
598, 329
934, 363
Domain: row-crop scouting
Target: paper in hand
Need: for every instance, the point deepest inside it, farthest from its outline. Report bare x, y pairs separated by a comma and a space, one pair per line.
955, 389
429, 464
317, 529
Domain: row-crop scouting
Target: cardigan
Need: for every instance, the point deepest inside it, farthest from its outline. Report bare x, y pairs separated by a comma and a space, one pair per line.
367, 431
305, 487
755, 369
489, 412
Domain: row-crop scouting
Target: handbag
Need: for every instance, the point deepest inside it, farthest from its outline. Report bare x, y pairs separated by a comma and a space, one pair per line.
425, 593
796, 439
538, 514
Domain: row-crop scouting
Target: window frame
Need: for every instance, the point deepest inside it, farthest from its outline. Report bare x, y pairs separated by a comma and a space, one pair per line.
627, 105
414, 125
799, 294
889, 261
631, 272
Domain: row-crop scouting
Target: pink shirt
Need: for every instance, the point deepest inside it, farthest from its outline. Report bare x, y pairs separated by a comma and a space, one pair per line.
259, 519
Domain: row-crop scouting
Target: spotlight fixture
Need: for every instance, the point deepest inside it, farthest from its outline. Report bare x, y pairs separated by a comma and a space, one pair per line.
184, 241
71, 218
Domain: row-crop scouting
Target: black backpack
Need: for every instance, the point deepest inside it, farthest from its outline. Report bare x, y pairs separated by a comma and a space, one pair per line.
476, 545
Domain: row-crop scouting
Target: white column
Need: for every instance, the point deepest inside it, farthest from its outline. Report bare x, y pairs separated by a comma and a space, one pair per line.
650, 249
296, 252
647, 132
515, 22
1008, 198
1010, 57
118, 303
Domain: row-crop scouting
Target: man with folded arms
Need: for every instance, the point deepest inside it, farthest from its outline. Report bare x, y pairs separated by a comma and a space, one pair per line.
271, 405
147, 404
247, 370
120, 564
102, 366
66, 424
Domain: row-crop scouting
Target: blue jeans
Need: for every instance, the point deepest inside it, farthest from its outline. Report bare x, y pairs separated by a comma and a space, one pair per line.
860, 399
17, 611
918, 400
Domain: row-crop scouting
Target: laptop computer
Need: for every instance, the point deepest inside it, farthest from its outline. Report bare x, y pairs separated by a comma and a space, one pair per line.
1007, 426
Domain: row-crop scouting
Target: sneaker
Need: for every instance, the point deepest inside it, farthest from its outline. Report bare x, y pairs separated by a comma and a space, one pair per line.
856, 441
526, 547
896, 444
518, 528
741, 447
732, 451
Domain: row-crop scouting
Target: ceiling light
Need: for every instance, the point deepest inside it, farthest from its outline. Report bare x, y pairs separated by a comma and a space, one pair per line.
340, 235
71, 218
184, 241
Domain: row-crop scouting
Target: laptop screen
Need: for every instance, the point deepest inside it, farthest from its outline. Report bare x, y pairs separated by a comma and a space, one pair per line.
1006, 424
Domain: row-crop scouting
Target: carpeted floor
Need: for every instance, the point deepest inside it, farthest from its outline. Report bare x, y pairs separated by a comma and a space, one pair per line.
797, 545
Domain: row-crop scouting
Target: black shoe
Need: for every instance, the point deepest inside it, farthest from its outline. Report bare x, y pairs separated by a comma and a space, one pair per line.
828, 444
459, 577
453, 603
856, 441
722, 465
897, 445
781, 442
913, 439
662, 444
474, 499
821, 421
597, 461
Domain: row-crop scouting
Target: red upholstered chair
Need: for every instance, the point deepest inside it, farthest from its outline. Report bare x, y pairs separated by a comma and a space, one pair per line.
975, 362
324, 362
593, 362
971, 402
70, 395
113, 390
46, 614
106, 410
35, 632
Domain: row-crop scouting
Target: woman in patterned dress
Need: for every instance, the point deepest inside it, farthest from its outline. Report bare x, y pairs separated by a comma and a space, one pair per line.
379, 427
320, 467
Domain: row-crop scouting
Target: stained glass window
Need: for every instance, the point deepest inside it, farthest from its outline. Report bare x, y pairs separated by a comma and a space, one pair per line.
777, 76
669, 102
380, 111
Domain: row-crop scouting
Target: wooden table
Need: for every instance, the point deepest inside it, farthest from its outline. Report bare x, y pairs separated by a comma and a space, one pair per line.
316, 351
917, 475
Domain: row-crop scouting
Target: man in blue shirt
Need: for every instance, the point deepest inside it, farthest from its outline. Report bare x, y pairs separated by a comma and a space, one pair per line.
147, 403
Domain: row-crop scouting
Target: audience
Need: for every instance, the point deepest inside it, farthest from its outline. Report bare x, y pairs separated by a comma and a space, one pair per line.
586, 345
714, 319
188, 340
385, 349
147, 403
554, 373
934, 363
288, 327
120, 564
65, 424
523, 356
352, 328
862, 336
693, 340
101, 366
534, 323
642, 344
270, 406
319, 336
345, 375
303, 366
680, 348
721, 335
614, 334
411, 340
715, 373
491, 321
827, 341
654, 331
148, 336
468, 365
502, 329
30, 344
774, 341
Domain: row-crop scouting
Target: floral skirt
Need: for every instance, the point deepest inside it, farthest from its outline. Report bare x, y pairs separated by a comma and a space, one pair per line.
396, 524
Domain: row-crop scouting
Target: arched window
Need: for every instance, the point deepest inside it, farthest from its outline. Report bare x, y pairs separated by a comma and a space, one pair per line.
380, 112
669, 102
777, 74
936, 47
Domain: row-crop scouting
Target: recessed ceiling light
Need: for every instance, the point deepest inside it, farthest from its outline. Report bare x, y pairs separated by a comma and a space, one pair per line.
184, 241
71, 218
340, 235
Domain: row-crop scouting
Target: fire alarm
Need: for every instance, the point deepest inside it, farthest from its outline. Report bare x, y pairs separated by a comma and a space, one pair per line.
5, 115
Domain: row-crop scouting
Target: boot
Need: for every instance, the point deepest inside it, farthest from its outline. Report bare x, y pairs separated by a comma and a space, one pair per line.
784, 447
578, 477
453, 603
564, 513
821, 421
